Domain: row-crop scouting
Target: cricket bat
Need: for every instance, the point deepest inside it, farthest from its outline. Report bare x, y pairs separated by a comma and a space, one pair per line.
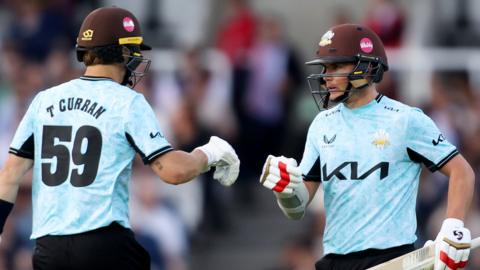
420, 259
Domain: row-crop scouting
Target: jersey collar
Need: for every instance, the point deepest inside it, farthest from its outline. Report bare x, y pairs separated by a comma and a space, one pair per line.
95, 78
379, 97
365, 107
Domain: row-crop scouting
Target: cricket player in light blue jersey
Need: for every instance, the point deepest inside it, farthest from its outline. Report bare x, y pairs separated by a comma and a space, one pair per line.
367, 151
81, 138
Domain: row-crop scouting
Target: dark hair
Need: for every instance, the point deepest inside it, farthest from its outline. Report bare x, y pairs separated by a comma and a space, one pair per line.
104, 55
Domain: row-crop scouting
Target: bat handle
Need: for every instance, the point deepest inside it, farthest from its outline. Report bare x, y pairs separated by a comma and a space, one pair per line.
475, 243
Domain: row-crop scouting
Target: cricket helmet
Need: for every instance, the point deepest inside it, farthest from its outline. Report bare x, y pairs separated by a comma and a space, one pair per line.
114, 29
348, 43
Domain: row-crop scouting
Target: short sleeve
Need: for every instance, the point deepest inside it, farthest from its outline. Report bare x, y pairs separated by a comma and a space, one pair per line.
23, 144
310, 164
143, 131
426, 144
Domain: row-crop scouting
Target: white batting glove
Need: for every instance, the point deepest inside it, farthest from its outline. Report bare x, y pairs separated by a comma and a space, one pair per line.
452, 245
222, 156
281, 174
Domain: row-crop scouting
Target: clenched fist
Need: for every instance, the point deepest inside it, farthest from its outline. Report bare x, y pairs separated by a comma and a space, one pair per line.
221, 155
281, 174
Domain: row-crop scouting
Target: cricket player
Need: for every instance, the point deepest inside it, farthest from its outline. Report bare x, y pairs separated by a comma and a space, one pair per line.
367, 151
81, 137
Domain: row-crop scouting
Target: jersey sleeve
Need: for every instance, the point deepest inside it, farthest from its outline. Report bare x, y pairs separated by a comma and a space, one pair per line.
426, 144
23, 144
310, 164
143, 131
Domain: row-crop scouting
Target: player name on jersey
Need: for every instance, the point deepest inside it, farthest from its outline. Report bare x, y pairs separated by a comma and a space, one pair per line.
75, 103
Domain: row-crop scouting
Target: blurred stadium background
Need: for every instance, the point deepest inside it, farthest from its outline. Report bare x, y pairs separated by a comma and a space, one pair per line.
234, 68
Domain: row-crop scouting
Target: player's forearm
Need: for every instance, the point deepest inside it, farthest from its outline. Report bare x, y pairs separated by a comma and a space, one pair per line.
8, 190
177, 167
8, 187
11, 175
460, 193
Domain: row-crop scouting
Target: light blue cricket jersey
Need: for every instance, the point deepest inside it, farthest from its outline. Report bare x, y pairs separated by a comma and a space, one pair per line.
83, 136
369, 161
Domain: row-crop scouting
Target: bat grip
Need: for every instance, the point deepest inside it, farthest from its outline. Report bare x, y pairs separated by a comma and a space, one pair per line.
475, 243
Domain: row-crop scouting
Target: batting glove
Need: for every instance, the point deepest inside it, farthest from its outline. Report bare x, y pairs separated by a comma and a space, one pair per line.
221, 155
281, 174
452, 245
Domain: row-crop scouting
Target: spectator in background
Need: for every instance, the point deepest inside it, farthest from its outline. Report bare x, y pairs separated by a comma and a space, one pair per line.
342, 14
23, 79
235, 38
204, 109
460, 103
454, 23
205, 79
157, 224
177, 122
237, 32
187, 199
37, 27
274, 74
433, 187
194, 98
11, 72
59, 66
386, 19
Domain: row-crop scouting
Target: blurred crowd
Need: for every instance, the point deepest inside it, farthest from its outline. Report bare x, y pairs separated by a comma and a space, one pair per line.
238, 76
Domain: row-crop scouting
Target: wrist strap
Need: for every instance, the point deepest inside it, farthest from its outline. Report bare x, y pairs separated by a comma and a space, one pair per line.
207, 153
5, 209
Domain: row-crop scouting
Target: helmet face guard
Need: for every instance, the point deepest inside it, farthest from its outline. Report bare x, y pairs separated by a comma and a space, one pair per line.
358, 79
136, 67
347, 43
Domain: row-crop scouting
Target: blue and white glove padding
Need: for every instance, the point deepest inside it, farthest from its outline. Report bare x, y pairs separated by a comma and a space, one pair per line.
222, 156
283, 176
452, 245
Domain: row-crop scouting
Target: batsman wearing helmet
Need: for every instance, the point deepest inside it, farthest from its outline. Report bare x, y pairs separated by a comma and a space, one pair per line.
81, 138
367, 151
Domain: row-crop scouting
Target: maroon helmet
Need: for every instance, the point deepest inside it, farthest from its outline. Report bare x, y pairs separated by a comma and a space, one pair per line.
109, 27
348, 43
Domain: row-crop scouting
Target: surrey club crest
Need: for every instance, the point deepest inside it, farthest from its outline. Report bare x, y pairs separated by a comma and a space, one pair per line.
381, 139
326, 38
